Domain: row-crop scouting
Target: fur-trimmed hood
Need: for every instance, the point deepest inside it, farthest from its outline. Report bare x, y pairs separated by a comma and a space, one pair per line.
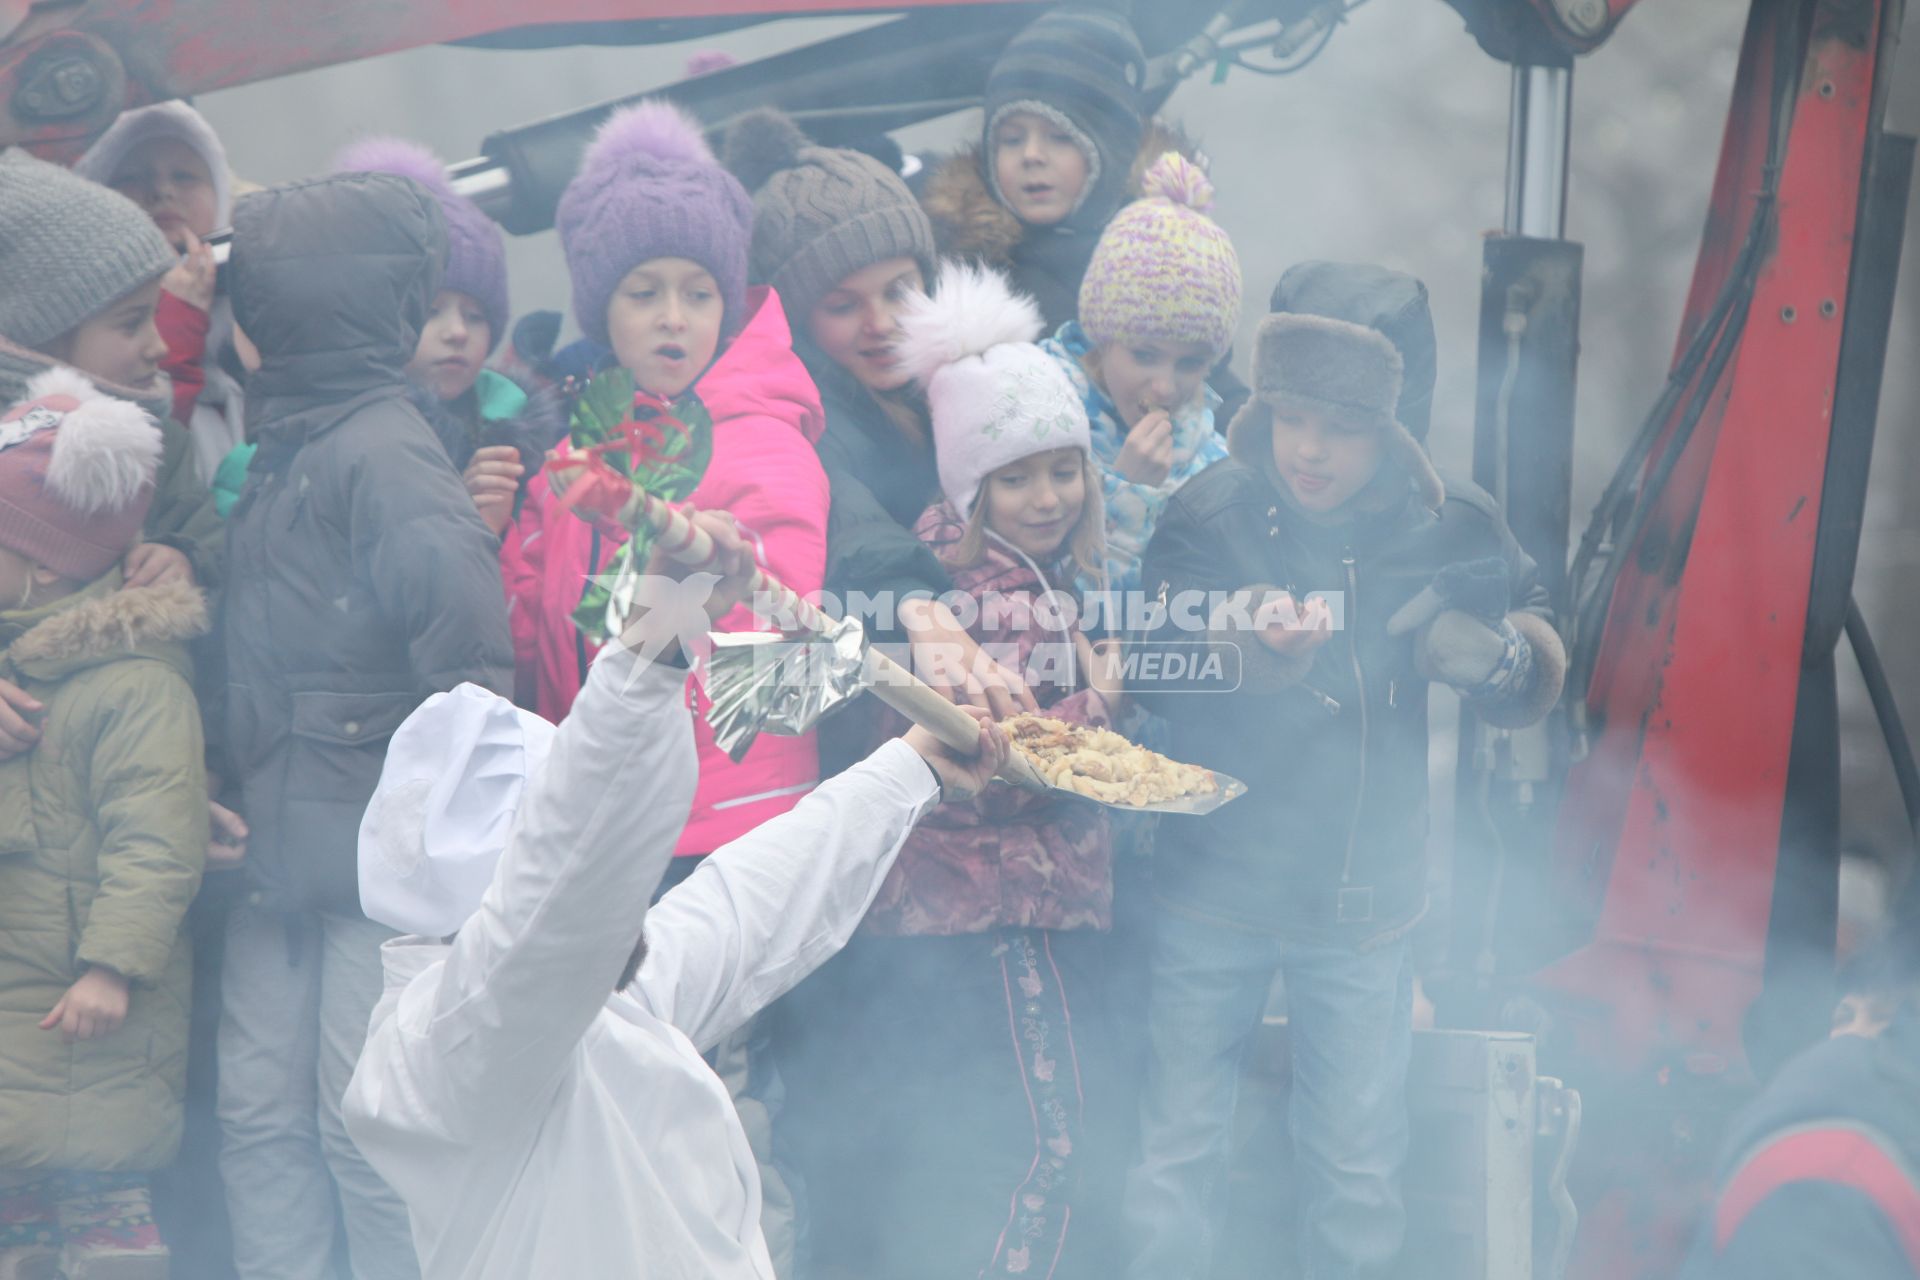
101, 623
969, 223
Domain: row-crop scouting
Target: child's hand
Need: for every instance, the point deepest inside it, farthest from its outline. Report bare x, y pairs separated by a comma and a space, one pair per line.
17, 732
493, 477
227, 846
949, 659
1102, 663
560, 478
94, 1006
1147, 455
192, 278
154, 564
1292, 631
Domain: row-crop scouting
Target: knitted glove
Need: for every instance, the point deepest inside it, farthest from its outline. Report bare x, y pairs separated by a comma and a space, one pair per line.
1464, 637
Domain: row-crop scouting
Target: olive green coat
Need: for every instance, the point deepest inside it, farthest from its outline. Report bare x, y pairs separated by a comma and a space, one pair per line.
103, 834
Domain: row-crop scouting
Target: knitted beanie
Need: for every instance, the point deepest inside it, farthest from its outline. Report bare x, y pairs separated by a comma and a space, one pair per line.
69, 249
994, 396
76, 475
476, 251
1083, 69
161, 120
649, 187
819, 213
1163, 269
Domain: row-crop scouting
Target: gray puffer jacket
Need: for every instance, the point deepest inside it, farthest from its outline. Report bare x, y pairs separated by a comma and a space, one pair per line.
361, 579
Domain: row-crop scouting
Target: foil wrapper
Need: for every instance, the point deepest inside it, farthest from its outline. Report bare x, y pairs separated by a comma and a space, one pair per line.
768, 681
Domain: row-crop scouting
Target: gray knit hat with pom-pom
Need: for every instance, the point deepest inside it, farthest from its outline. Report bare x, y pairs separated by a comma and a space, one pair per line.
819, 213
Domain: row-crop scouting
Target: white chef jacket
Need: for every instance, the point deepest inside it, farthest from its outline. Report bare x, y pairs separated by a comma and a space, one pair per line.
540, 1127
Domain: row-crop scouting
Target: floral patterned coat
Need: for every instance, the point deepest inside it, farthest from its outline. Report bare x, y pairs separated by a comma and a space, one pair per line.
1009, 858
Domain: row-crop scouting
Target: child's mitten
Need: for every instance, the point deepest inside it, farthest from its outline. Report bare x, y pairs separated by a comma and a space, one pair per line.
1464, 637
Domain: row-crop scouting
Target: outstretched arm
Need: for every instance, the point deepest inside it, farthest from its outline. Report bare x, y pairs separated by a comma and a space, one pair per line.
769, 908
528, 972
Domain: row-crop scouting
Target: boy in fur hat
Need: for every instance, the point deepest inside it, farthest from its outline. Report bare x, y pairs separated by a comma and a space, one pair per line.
1318, 873
104, 832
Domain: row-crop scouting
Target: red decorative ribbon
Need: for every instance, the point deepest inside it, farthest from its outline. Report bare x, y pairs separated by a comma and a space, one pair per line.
602, 491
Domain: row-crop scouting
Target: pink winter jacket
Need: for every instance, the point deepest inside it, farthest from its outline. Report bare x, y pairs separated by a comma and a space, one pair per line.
1009, 859
766, 418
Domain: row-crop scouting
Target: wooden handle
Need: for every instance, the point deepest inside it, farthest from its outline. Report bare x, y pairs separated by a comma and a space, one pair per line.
893, 684
919, 702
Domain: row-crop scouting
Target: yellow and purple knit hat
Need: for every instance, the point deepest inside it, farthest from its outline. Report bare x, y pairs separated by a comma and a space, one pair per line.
1163, 269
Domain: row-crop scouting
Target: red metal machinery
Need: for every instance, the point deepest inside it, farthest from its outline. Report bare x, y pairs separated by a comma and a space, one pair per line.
1695, 851
1671, 938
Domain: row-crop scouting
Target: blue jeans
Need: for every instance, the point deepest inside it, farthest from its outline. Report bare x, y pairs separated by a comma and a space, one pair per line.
1350, 1030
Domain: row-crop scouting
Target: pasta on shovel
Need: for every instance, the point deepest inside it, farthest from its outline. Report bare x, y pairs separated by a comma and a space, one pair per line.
1102, 765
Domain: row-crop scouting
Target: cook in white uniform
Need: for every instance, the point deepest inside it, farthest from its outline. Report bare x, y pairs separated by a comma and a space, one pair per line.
539, 1125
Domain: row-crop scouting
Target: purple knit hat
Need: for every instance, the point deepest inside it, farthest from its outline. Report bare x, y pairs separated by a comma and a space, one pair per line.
476, 251
649, 187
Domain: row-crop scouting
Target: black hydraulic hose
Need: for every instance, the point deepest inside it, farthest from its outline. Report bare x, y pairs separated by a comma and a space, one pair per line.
1713, 345
1887, 712
1593, 609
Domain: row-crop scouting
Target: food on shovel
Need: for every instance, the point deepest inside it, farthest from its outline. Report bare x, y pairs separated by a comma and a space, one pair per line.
1102, 765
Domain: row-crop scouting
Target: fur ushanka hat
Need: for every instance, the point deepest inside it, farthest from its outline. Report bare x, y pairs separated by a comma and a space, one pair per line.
1335, 363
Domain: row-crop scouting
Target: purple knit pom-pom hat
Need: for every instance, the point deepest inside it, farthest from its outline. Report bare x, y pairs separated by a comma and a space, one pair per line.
650, 187
476, 251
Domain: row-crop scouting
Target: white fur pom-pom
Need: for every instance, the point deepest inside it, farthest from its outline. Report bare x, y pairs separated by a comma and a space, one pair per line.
106, 450
972, 310
61, 381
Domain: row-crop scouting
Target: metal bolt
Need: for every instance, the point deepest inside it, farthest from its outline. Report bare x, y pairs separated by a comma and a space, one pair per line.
1788, 315
1583, 17
1826, 88
61, 86
1827, 309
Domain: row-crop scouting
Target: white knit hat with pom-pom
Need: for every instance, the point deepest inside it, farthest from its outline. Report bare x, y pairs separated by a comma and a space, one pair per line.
1163, 270
994, 396
76, 475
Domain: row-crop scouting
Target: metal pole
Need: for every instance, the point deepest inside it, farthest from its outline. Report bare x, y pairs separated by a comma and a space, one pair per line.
1537, 130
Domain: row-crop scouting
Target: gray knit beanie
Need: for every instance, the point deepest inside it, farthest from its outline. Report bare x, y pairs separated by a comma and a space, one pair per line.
69, 249
819, 213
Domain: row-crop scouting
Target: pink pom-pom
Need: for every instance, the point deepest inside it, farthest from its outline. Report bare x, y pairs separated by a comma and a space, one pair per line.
1174, 177
396, 156
653, 130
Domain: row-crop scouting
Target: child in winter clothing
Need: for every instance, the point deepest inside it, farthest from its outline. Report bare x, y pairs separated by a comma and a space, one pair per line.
1059, 154
1020, 517
656, 237
104, 836
1318, 872
167, 159
494, 430
363, 582
841, 238
83, 269
1157, 311
993, 914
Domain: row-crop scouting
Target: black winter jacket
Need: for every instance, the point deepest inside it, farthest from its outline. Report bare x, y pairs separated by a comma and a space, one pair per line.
361, 580
879, 485
1328, 845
